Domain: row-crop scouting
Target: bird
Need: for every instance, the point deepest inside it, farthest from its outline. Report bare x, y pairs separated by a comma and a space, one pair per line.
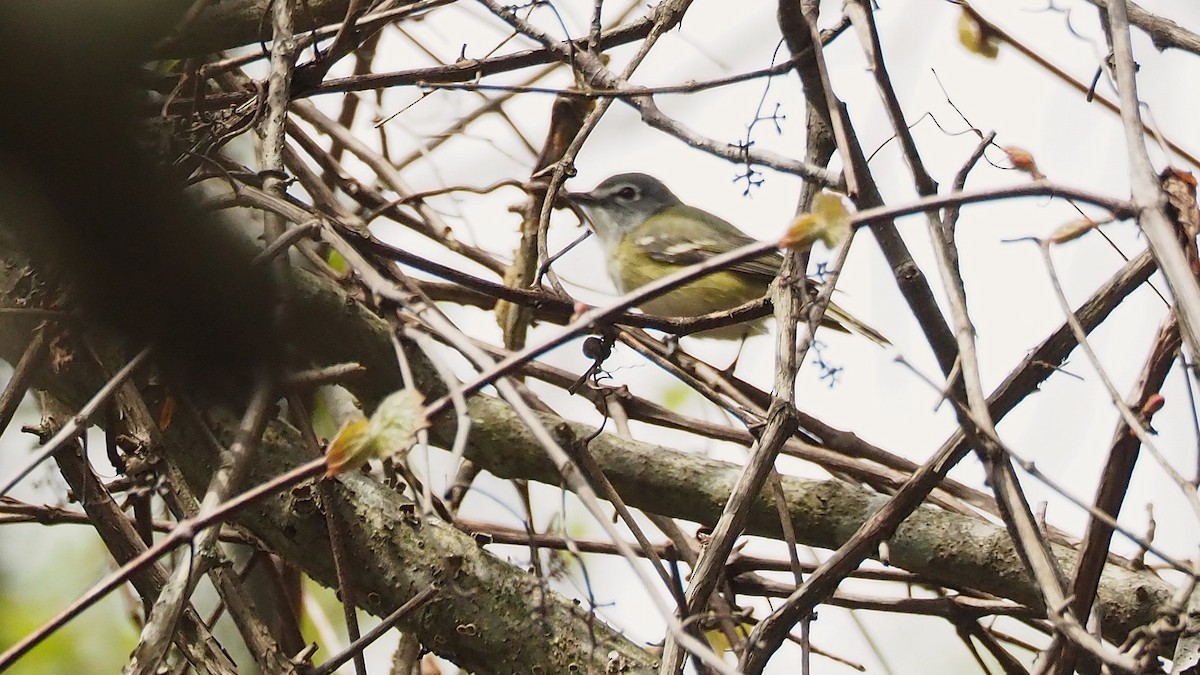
647, 232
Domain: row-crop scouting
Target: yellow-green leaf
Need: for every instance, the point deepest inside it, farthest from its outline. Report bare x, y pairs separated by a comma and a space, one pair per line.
977, 36
337, 262
391, 430
828, 222
720, 642
349, 449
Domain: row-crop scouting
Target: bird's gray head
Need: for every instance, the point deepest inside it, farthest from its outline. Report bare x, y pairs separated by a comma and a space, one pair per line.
621, 203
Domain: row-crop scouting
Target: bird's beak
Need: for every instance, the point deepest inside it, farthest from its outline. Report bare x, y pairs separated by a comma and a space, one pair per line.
579, 197
578, 202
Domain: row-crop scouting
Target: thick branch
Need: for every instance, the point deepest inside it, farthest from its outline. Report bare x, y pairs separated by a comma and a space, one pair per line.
953, 549
225, 24
956, 550
482, 602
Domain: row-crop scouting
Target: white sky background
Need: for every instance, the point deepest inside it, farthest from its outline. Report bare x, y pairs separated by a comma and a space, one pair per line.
1066, 427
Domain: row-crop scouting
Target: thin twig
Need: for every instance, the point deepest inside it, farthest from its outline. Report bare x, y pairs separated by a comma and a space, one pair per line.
77, 424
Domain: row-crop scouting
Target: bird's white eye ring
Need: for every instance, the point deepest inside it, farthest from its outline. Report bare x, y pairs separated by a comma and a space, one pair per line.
627, 194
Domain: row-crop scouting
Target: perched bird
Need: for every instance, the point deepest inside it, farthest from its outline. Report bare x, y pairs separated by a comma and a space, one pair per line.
646, 233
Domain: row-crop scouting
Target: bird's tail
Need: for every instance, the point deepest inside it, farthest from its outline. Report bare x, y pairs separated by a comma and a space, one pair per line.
839, 319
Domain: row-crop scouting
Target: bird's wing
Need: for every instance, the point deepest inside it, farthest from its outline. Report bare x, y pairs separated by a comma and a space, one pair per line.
665, 238
662, 238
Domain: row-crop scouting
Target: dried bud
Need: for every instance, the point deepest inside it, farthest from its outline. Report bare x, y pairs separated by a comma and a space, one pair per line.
1022, 160
1073, 230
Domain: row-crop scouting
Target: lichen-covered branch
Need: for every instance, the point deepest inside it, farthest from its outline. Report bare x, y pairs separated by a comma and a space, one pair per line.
957, 550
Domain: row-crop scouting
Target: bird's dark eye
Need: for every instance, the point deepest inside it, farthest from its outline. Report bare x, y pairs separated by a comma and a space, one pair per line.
627, 194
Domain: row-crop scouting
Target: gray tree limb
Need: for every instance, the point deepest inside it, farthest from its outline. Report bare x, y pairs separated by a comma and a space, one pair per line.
397, 553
